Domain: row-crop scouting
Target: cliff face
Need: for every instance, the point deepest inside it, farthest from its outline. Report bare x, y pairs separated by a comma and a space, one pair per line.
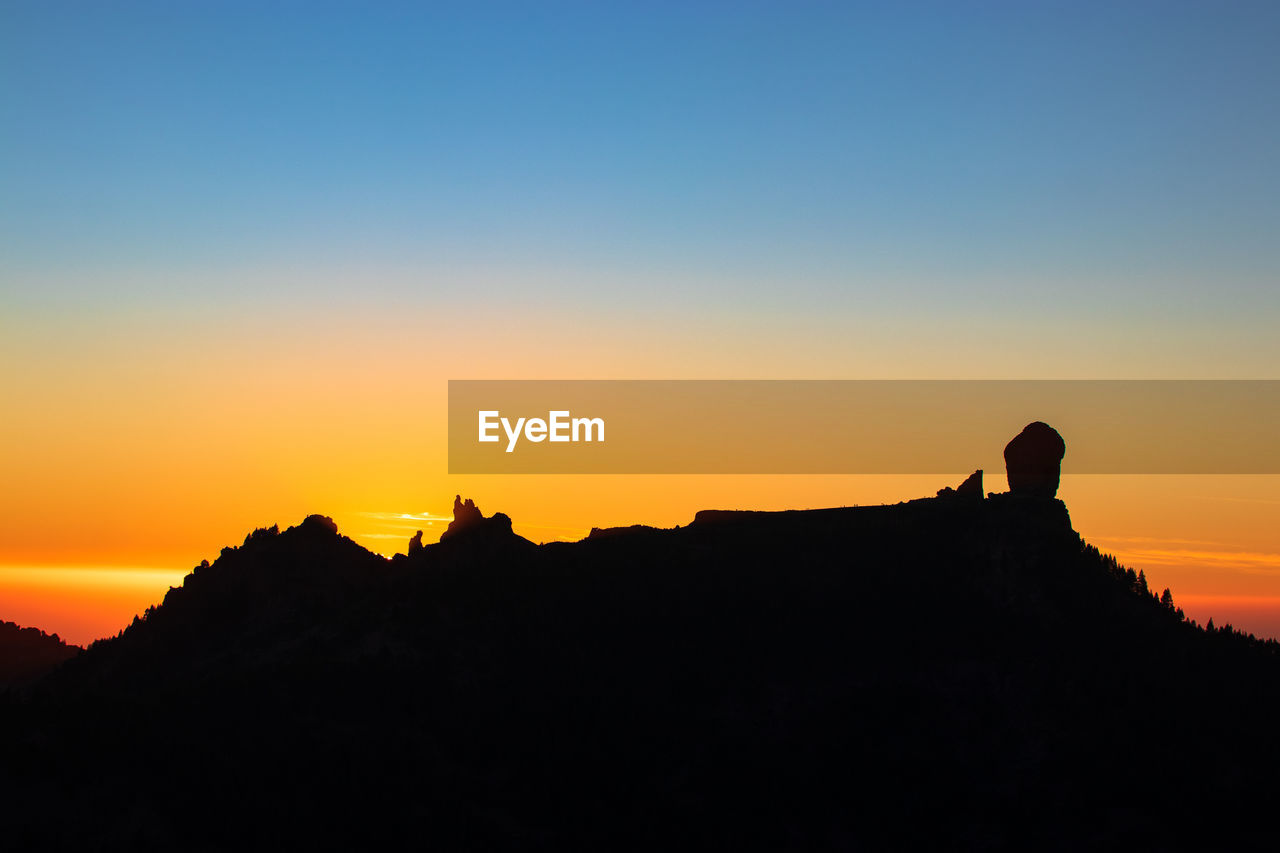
950, 671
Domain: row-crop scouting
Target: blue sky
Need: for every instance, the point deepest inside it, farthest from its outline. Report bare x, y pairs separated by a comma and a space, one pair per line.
1127, 150
244, 245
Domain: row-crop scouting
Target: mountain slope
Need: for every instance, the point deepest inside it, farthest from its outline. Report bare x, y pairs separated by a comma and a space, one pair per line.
954, 671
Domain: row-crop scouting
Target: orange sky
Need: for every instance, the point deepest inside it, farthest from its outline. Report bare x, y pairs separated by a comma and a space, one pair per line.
147, 440
1212, 539
232, 292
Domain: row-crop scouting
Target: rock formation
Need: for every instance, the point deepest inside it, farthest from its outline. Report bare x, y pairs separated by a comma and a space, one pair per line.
465, 514
467, 517
415, 544
971, 488
1033, 461
319, 522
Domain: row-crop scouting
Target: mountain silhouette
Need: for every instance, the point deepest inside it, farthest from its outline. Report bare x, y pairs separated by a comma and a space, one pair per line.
958, 672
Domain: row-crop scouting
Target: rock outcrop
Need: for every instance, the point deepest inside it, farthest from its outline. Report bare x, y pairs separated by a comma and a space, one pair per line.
1033, 461
465, 514
970, 489
319, 522
467, 517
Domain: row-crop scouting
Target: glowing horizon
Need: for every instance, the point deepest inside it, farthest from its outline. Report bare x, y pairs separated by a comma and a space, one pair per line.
235, 278
1234, 579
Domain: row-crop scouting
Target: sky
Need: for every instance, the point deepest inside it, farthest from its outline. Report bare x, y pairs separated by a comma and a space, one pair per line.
243, 247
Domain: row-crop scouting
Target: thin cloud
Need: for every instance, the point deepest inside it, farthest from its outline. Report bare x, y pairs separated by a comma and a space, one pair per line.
1250, 562
405, 516
1164, 540
1271, 501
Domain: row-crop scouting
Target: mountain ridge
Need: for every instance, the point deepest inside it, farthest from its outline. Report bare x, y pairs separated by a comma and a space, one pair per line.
959, 669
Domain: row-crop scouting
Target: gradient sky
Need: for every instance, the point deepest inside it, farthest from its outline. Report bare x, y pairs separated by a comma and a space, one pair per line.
243, 246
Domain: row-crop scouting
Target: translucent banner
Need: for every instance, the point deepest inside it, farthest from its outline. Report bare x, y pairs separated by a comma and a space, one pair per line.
858, 426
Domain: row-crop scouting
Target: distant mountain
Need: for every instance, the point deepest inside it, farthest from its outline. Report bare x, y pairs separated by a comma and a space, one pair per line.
27, 653
959, 672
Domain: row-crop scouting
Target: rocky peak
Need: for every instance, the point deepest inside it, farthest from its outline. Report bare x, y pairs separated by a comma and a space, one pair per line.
467, 517
971, 488
1033, 461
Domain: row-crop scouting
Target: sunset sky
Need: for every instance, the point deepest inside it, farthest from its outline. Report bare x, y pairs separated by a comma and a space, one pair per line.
243, 247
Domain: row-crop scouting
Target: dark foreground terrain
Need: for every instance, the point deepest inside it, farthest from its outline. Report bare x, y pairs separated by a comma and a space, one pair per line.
951, 673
